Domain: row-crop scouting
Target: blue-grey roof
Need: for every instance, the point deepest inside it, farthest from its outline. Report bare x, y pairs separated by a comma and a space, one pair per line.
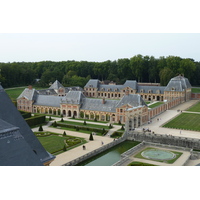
73, 97
48, 100
47, 92
92, 83
134, 100
178, 83
153, 89
56, 85
97, 105
113, 88
132, 84
19, 146
74, 88
29, 94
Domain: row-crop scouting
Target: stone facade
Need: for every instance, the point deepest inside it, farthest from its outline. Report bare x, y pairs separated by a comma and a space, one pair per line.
112, 103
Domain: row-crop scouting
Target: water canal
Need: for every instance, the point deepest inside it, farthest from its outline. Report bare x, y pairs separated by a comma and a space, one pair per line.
110, 156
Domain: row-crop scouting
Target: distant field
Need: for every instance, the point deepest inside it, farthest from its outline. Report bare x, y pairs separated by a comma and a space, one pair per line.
187, 121
195, 90
195, 108
13, 93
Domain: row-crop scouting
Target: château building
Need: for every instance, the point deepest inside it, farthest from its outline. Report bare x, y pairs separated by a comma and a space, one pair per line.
103, 102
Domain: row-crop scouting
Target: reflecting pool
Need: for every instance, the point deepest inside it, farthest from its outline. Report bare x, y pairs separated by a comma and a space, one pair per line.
110, 156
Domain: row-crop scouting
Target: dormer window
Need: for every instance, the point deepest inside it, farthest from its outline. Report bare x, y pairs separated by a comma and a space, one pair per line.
158, 91
149, 91
173, 89
141, 90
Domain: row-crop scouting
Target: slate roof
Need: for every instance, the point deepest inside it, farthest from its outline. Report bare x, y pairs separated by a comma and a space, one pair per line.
56, 85
95, 83
134, 100
48, 100
97, 105
74, 88
178, 83
153, 89
47, 92
131, 84
73, 97
113, 88
26, 150
29, 94
92, 83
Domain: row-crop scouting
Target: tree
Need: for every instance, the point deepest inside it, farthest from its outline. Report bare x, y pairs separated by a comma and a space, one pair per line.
187, 67
165, 75
136, 64
40, 128
91, 137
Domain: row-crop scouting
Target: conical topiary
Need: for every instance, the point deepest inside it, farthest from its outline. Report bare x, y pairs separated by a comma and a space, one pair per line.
91, 137
40, 128
64, 133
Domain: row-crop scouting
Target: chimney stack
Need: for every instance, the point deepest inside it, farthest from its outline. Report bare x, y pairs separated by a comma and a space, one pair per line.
103, 101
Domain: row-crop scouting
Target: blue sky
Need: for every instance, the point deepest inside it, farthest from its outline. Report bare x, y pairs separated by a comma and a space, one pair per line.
33, 47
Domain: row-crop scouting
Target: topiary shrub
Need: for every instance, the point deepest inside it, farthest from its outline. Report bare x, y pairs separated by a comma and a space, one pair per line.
54, 124
65, 148
77, 128
119, 122
110, 126
64, 133
122, 128
40, 128
91, 137
62, 120
84, 123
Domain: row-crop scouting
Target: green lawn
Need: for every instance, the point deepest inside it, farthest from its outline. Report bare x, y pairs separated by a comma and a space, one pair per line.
14, 93
195, 108
81, 131
89, 120
87, 124
155, 104
195, 90
187, 121
54, 143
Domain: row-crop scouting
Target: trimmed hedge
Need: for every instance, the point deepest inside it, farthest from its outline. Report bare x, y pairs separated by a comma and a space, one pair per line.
25, 115
98, 130
36, 120
117, 134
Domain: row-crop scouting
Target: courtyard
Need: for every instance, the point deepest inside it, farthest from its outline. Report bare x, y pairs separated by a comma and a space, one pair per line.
155, 126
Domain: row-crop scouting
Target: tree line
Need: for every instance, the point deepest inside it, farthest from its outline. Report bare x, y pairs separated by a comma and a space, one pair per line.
77, 73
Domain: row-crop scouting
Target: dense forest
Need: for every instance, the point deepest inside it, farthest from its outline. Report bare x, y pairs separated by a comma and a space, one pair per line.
77, 73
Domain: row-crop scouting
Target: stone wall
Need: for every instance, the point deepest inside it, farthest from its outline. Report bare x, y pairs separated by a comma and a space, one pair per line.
95, 152
165, 139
